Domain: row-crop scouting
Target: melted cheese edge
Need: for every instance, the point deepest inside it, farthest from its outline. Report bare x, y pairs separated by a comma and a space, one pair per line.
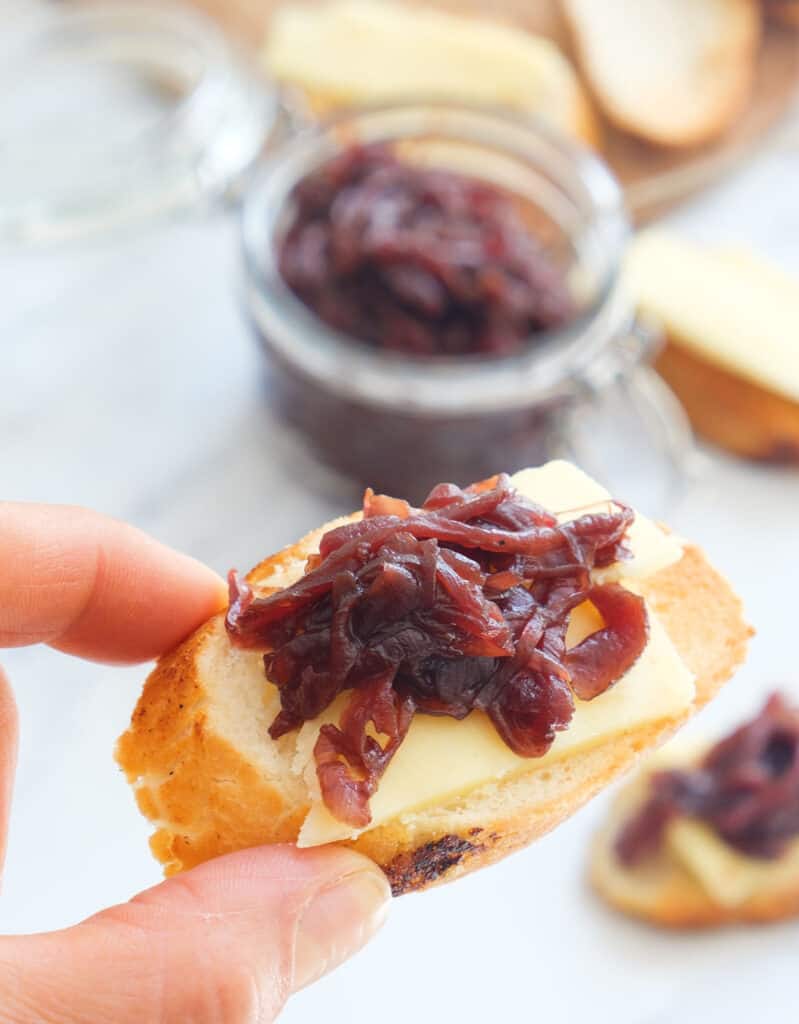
441, 758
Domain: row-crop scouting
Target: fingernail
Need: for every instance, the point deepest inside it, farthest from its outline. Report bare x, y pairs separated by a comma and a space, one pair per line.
337, 922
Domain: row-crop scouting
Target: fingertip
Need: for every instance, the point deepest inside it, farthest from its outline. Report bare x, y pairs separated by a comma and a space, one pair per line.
296, 914
229, 940
342, 899
96, 587
189, 584
9, 740
277, 868
337, 922
9, 716
147, 598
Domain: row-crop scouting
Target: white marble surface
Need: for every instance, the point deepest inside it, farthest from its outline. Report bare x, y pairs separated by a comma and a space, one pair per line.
128, 382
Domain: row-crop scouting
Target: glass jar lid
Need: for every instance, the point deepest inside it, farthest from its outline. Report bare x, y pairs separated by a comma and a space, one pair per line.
116, 112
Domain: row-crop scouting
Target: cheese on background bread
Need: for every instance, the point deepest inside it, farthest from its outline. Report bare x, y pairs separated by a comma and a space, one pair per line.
355, 51
728, 877
725, 305
696, 879
454, 798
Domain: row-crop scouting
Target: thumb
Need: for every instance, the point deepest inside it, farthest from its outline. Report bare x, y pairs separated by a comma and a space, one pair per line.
227, 942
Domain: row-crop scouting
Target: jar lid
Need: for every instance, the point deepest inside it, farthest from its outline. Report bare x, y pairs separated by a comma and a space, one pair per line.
117, 112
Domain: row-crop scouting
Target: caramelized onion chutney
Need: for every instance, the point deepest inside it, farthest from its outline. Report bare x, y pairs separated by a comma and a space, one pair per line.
746, 789
419, 260
461, 604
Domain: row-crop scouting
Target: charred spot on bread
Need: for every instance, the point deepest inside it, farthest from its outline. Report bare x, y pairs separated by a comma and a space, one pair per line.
416, 869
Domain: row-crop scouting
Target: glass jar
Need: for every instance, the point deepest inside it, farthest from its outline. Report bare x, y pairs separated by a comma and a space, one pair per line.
402, 424
120, 112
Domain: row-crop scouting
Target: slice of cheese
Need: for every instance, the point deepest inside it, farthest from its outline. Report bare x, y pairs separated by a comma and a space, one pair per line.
728, 306
441, 758
570, 493
355, 51
728, 877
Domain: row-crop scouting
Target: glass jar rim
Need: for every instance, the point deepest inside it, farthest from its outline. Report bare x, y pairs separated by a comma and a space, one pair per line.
553, 365
212, 117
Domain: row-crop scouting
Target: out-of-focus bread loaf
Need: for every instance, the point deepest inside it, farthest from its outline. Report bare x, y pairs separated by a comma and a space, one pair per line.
371, 51
732, 327
674, 72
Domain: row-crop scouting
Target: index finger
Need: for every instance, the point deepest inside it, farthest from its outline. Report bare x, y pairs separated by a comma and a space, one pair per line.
95, 587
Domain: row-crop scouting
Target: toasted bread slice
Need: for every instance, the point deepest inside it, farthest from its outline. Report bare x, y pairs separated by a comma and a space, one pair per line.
212, 781
357, 51
729, 410
731, 321
664, 891
674, 72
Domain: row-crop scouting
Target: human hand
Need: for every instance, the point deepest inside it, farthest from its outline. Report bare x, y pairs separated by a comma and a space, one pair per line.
227, 942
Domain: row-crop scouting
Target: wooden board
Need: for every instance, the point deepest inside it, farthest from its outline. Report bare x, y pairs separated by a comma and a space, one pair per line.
655, 178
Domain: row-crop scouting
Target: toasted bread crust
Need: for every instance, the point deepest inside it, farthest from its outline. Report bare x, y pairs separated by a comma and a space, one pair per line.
206, 799
731, 411
666, 895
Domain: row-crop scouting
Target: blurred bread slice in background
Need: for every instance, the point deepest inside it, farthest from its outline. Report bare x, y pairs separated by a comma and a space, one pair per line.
673, 72
785, 11
731, 323
657, 176
696, 880
359, 51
